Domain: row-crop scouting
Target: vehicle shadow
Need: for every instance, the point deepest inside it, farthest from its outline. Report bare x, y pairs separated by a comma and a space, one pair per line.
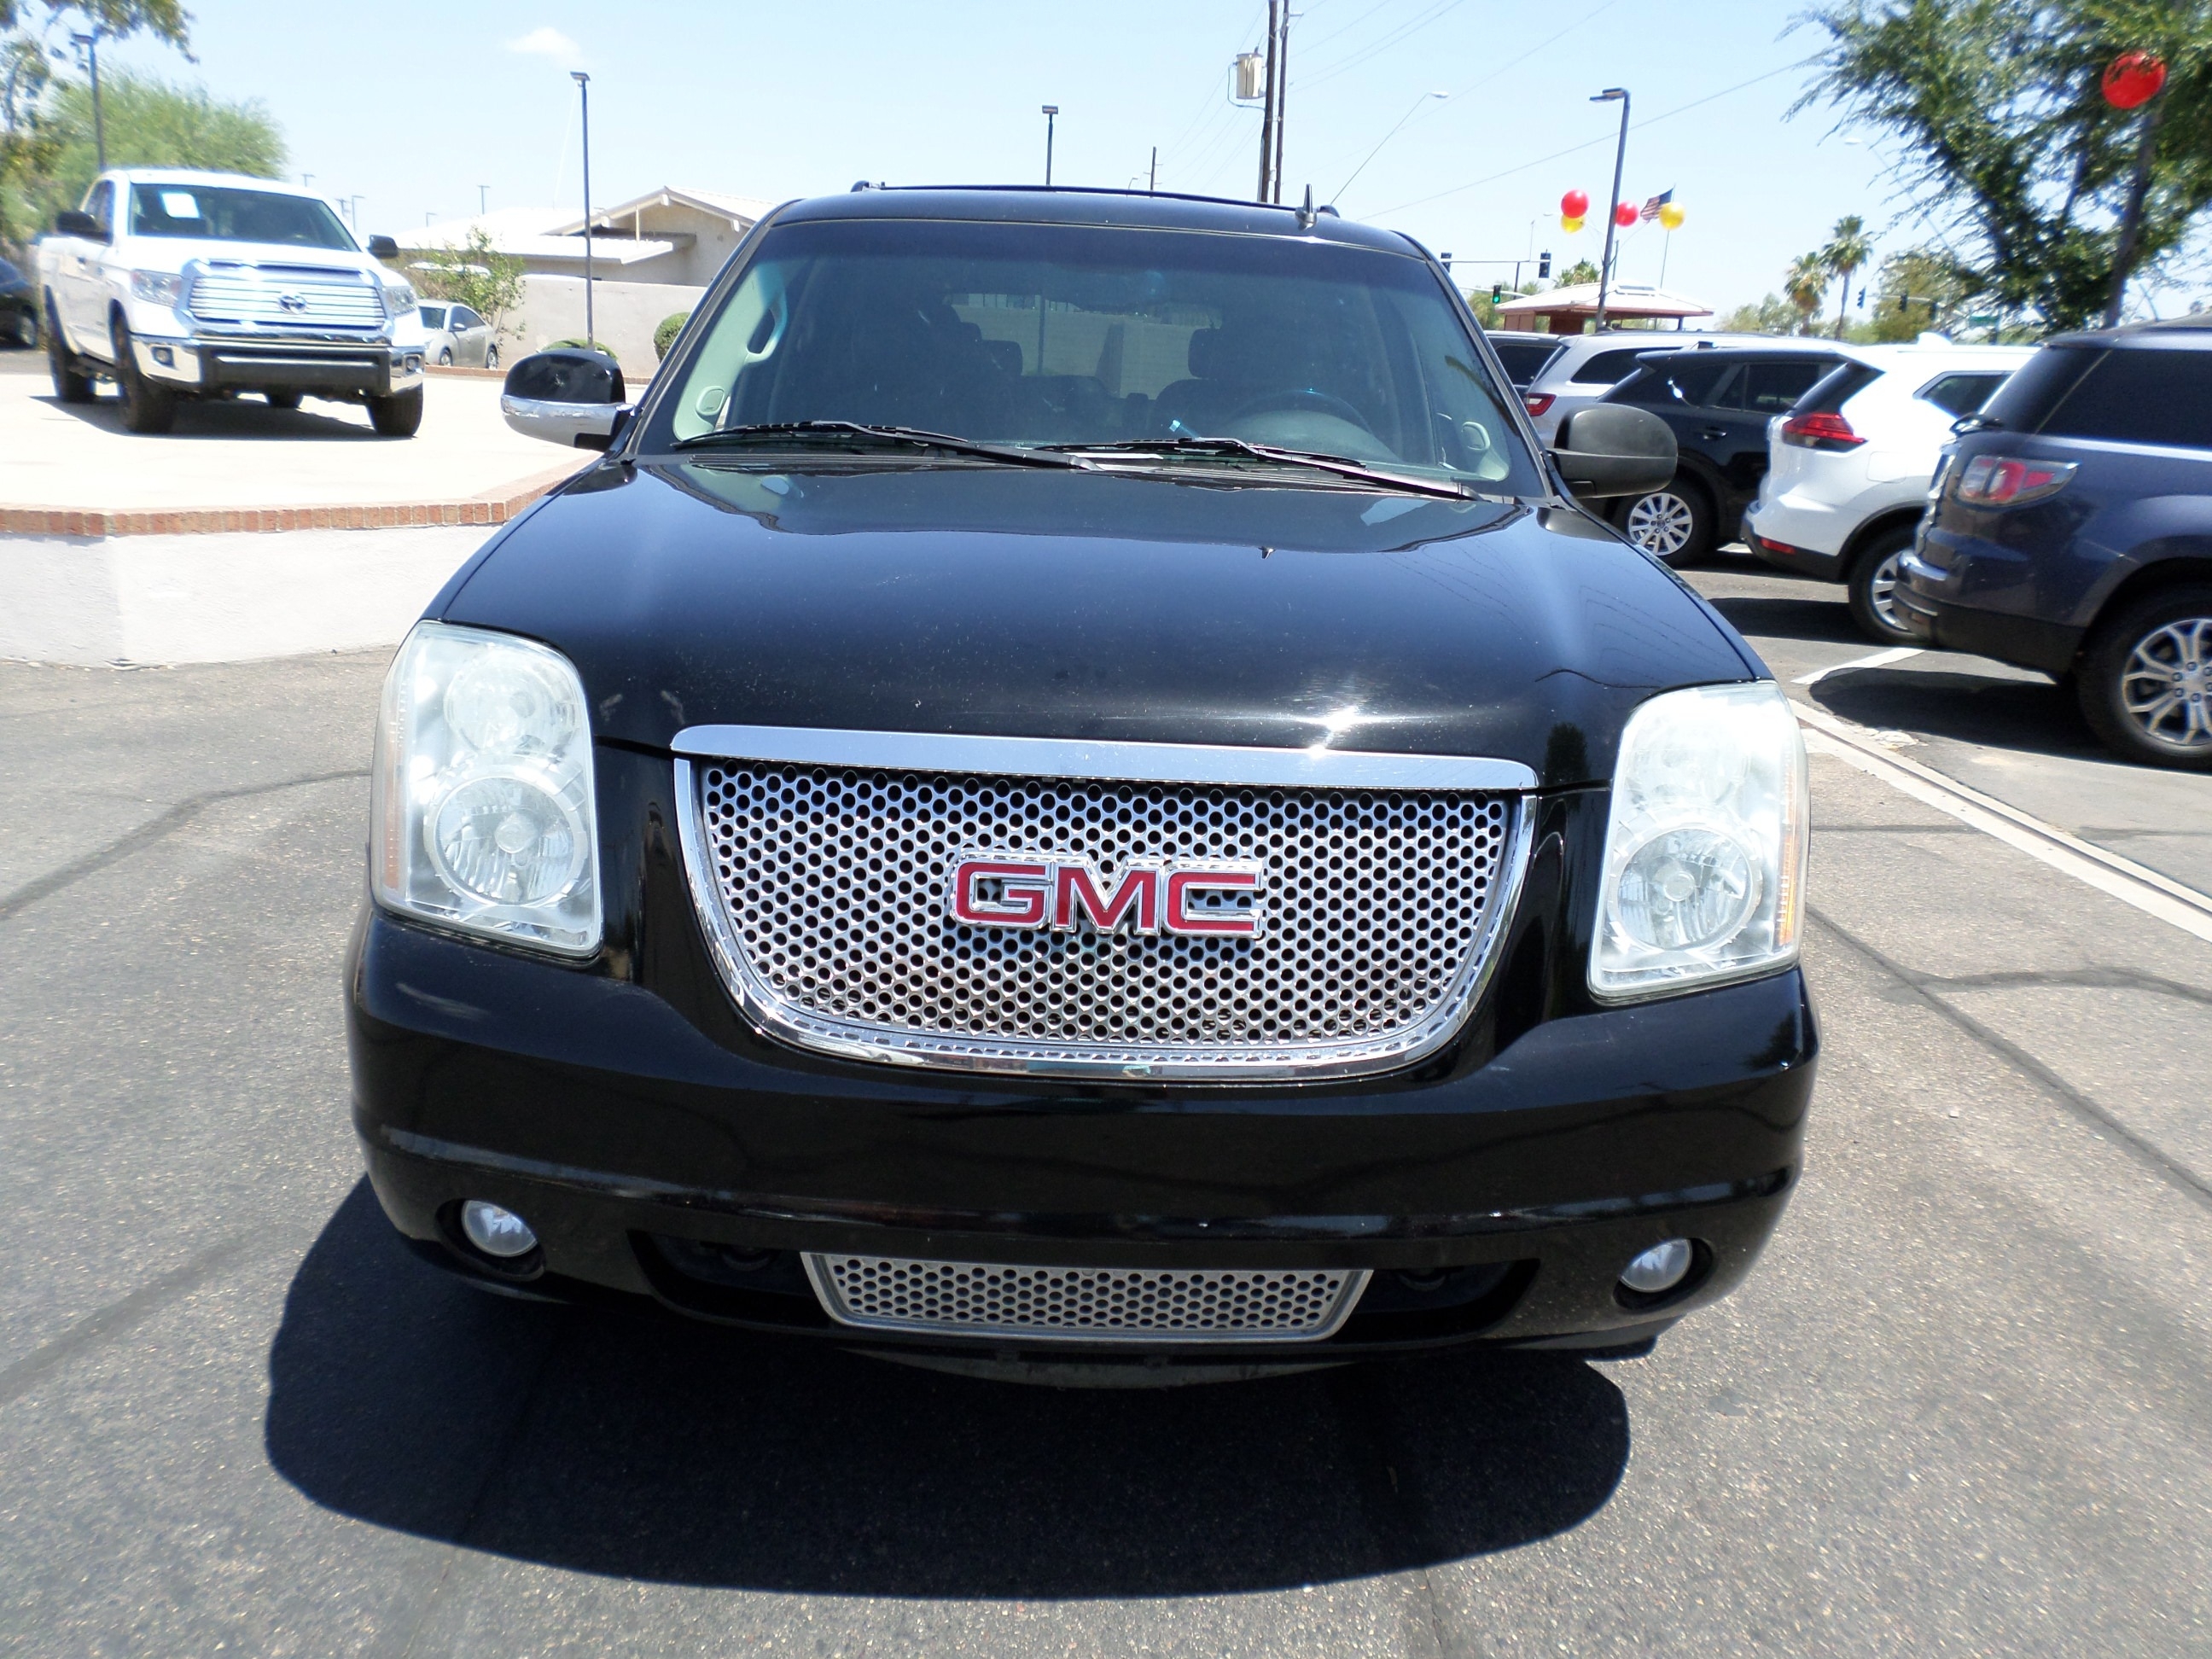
1823, 619
649, 1447
225, 417
1994, 711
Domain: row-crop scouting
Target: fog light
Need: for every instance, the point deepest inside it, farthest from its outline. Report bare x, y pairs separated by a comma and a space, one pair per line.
506, 1235
1659, 1269
163, 356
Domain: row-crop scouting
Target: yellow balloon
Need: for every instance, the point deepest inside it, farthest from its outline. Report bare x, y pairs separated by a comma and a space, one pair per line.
1569, 223
1672, 217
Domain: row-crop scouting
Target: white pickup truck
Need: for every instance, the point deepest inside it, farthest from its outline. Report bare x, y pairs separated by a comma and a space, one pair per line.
178, 285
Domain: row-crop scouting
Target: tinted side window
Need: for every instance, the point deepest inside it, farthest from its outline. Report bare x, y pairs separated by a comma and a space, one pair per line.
1522, 358
2144, 397
100, 203
1960, 394
1771, 387
1687, 383
2035, 387
464, 318
1609, 367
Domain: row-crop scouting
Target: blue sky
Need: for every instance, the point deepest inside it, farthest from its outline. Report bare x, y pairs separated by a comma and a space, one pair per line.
413, 106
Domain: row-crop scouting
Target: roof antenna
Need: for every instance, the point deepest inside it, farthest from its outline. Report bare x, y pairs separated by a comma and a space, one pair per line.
1306, 213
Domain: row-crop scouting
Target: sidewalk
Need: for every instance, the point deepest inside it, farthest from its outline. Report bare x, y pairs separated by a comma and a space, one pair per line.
240, 465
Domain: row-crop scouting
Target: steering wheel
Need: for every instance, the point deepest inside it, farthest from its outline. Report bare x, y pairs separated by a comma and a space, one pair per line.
1303, 398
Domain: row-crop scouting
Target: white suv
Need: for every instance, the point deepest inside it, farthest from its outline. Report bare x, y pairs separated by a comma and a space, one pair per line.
1848, 470
1582, 371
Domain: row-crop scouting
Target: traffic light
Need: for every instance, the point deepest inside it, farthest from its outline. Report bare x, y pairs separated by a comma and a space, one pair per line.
1544, 262
1497, 293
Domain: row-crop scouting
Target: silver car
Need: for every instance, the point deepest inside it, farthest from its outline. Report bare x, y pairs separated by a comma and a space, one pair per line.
459, 337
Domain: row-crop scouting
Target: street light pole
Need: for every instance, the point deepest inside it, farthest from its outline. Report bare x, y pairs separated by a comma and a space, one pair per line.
1051, 115
91, 44
584, 91
1268, 109
1619, 155
483, 200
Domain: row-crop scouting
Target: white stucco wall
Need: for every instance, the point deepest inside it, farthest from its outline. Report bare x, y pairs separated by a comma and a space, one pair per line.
626, 314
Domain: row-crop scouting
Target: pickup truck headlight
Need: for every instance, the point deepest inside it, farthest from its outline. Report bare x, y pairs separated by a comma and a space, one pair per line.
1704, 853
161, 287
400, 301
484, 817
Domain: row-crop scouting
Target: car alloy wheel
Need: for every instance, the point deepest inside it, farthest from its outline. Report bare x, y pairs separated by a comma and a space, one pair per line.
445, 358
2166, 686
1872, 585
492, 356
1662, 524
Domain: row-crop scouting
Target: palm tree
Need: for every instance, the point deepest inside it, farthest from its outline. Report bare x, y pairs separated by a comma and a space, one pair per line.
1806, 284
1847, 249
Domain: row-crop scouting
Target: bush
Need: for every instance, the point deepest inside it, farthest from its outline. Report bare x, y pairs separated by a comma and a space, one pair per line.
665, 335
585, 345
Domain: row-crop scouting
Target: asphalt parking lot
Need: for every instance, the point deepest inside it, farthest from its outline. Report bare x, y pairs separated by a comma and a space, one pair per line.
1964, 1408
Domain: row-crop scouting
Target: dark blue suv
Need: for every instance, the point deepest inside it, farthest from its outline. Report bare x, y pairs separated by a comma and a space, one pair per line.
2070, 531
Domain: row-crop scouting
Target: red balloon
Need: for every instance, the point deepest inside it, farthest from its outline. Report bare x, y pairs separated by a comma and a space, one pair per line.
1624, 213
2133, 79
1575, 204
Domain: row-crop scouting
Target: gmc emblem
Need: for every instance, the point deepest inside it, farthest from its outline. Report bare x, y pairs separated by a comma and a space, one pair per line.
989, 891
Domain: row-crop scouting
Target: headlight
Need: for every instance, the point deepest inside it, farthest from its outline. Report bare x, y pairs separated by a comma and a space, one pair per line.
1705, 854
483, 817
161, 287
398, 301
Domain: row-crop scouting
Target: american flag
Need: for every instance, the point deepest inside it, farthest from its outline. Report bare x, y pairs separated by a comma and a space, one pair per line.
1651, 208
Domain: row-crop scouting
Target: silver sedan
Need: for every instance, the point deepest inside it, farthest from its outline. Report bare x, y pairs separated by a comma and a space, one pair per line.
459, 337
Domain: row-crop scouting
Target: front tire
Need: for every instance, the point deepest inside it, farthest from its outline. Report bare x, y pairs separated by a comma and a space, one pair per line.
285, 397
492, 356
1872, 589
70, 385
26, 330
445, 358
147, 408
2145, 681
399, 415
1674, 525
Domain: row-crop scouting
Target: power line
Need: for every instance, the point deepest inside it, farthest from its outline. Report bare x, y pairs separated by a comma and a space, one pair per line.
1574, 150
1331, 71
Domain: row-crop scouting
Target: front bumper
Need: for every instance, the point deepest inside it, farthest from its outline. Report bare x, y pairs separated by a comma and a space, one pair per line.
628, 1112
328, 367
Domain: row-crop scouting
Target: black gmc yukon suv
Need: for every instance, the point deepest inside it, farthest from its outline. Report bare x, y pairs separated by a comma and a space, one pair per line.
1075, 787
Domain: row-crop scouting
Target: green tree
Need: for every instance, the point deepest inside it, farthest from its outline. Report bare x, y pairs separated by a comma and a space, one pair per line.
2003, 131
1771, 315
150, 123
1848, 249
1583, 270
1805, 284
1919, 290
475, 275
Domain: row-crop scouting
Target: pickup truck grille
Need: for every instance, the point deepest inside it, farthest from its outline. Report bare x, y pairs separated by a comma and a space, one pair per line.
286, 297
827, 890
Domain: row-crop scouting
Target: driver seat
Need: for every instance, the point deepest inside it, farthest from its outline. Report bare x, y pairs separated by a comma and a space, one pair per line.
1229, 366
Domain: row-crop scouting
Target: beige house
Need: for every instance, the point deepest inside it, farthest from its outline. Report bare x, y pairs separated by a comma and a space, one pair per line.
651, 257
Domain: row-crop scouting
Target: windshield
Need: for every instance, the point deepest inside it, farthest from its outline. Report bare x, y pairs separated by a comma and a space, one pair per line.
218, 213
1031, 335
433, 316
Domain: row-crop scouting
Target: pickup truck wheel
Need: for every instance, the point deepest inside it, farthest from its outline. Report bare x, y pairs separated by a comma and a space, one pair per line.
1872, 588
282, 398
2145, 681
69, 385
146, 407
398, 415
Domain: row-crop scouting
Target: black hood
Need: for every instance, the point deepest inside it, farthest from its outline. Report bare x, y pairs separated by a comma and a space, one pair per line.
1035, 602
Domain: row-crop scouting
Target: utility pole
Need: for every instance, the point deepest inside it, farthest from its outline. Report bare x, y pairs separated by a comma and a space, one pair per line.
584, 91
1152, 184
1051, 115
1282, 94
91, 44
1612, 94
483, 200
1267, 110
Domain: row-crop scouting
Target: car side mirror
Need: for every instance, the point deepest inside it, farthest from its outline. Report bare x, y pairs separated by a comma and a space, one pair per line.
1614, 449
566, 396
383, 247
71, 221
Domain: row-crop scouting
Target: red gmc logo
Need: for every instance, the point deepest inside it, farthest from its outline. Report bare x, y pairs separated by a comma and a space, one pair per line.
993, 891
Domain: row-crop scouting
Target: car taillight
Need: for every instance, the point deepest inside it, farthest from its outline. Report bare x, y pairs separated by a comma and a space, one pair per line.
1538, 402
1828, 432
2011, 481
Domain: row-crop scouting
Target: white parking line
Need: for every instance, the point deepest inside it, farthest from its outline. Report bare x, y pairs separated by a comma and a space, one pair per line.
2130, 883
1879, 657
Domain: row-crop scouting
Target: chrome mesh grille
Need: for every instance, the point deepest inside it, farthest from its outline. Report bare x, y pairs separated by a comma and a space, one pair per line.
1086, 1304
326, 298
1377, 916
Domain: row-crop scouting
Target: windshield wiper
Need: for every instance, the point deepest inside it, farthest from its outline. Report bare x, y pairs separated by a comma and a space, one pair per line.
1342, 466
860, 434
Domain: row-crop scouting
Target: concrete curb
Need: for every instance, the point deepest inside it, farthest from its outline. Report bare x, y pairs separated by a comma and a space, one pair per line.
491, 508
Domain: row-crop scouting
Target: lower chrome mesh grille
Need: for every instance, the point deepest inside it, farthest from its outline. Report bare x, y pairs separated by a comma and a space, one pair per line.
1086, 1304
829, 886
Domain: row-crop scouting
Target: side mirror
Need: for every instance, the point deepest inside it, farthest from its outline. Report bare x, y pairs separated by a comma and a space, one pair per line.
71, 222
383, 247
566, 396
1614, 449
